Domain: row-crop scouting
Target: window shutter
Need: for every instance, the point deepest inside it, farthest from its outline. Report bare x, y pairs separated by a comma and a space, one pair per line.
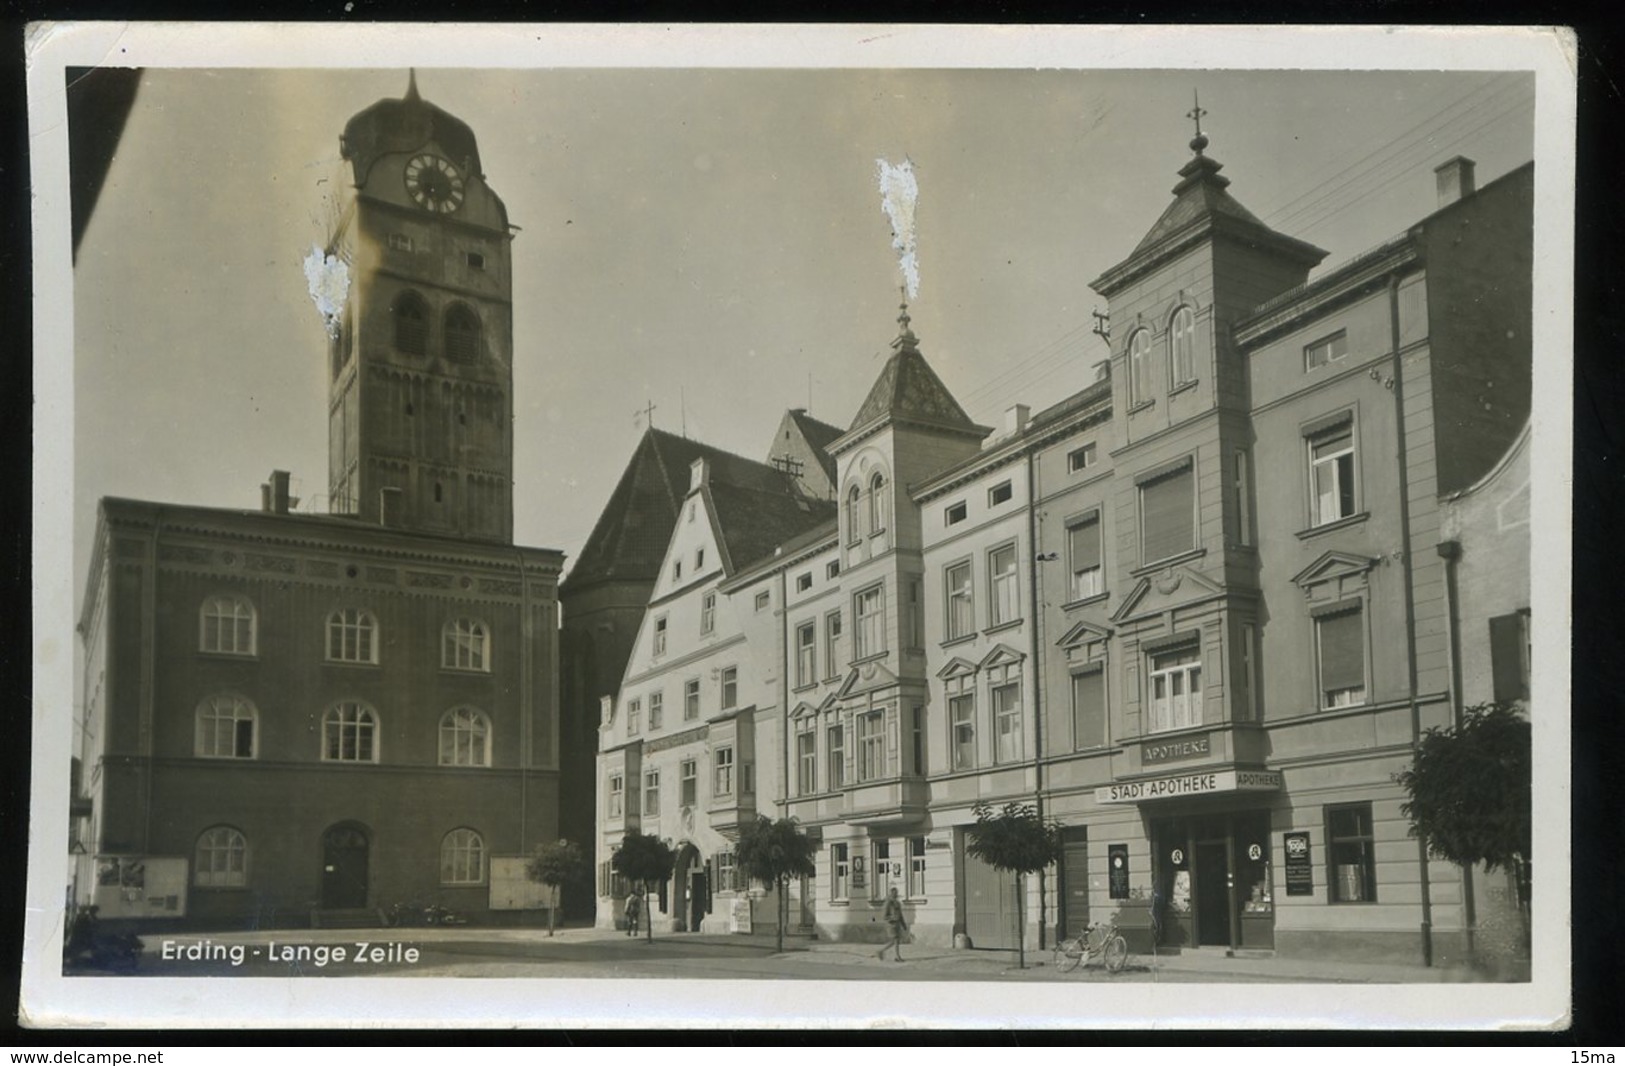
1506, 657
1342, 651
1165, 510
1085, 545
1089, 709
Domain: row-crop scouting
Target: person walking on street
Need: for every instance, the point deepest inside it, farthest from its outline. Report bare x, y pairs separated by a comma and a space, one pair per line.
634, 907
895, 925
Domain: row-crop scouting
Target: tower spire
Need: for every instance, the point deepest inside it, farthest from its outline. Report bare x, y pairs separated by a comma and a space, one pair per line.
1199, 141
905, 336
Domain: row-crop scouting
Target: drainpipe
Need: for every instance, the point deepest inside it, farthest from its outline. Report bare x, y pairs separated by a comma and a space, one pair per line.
1450, 552
526, 738
1401, 458
1038, 680
784, 692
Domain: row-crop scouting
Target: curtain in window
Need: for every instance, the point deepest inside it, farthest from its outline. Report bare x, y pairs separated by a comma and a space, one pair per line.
1166, 509
1342, 651
1089, 709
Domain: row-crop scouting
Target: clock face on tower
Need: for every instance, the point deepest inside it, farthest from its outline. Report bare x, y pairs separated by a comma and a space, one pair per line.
434, 183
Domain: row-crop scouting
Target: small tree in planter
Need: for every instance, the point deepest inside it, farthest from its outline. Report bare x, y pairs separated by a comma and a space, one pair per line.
556, 865
1017, 840
772, 853
645, 861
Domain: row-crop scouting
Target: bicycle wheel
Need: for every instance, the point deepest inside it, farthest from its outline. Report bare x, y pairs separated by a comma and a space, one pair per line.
1068, 953
1115, 952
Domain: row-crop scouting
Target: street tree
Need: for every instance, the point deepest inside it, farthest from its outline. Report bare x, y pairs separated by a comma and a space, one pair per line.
1469, 792
772, 853
1015, 839
646, 861
556, 865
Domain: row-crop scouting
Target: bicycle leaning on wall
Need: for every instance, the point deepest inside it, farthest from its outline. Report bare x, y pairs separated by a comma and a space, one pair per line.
1099, 940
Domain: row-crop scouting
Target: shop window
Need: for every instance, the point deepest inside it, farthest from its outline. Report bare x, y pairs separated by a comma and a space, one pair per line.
1167, 514
806, 654
465, 644
1351, 854
837, 757
1083, 552
462, 858
1176, 689
225, 728
1509, 656
465, 738
1088, 709
221, 858
887, 873
226, 625
727, 872
916, 868
1182, 347
1340, 647
961, 601
1004, 603
350, 733
840, 870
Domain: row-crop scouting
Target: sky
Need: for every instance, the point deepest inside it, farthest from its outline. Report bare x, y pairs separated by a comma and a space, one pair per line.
709, 241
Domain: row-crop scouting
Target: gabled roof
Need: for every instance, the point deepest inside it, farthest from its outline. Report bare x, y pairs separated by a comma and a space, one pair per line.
909, 390
405, 125
751, 522
818, 435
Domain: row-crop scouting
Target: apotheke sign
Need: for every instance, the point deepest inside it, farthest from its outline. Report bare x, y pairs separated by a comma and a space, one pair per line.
1152, 752
1202, 784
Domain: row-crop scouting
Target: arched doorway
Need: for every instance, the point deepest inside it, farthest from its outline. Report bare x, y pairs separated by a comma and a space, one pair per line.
690, 891
344, 866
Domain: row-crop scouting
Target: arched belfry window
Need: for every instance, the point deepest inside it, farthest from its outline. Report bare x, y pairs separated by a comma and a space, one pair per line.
411, 324
853, 531
1182, 347
877, 503
462, 335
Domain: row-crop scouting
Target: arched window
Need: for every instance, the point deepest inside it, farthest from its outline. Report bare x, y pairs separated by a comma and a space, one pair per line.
877, 503
465, 645
411, 324
221, 859
1139, 366
465, 738
462, 335
226, 625
352, 636
350, 733
1182, 347
853, 530
462, 858
225, 728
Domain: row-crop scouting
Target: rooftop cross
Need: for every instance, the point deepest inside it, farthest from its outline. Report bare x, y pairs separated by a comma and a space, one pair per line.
646, 413
1198, 142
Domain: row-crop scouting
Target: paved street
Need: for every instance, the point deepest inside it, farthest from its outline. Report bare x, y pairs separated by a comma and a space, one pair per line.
589, 953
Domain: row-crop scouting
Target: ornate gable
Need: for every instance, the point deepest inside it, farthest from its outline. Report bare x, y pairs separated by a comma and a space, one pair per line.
1001, 655
1083, 633
1163, 591
1334, 576
958, 666
866, 677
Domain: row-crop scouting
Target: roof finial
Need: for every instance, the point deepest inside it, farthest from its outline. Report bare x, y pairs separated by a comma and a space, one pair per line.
1199, 141
905, 335
412, 84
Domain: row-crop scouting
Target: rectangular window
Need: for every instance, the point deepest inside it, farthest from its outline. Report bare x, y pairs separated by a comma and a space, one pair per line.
885, 873
691, 699
634, 716
998, 494
708, 614
837, 757
677, 570
962, 720
1176, 689
806, 654
617, 794
1249, 672
727, 872
1340, 644
803, 582
832, 643
730, 687
651, 793
1088, 710
747, 777
914, 637
806, 760
961, 601
1351, 854
1083, 550
699, 559
832, 569
954, 514
1080, 458
1241, 488
1509, 656
1331, 462
1005, 603
1325, 351
870, 607
1007, 722
475, 260
660, 636
840, 871
1167, 516
400, 242
916, 868
688, 782
657, 709
871, 746
916, 735
723, 781
762, 601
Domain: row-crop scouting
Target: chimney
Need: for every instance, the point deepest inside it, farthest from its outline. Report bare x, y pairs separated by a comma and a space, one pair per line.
1455, 178
1015, 419
699, 472
389, 507
276, 493
265, 497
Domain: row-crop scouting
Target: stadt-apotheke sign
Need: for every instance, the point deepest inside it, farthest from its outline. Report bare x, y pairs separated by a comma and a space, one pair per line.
1197, 784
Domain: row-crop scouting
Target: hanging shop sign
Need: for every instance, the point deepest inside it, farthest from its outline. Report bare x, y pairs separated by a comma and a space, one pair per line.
1198, 784
1159, 751
1300, 875
1117, 866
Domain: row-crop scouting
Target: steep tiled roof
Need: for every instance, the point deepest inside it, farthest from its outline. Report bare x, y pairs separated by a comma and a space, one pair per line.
908, 389
405, 125
819, 435
753, 523
1201, 192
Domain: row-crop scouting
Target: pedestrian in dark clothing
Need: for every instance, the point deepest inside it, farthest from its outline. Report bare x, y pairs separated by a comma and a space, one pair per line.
896, 926
634, 907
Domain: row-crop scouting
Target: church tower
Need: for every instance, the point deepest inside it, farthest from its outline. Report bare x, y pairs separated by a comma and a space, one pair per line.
420, 413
